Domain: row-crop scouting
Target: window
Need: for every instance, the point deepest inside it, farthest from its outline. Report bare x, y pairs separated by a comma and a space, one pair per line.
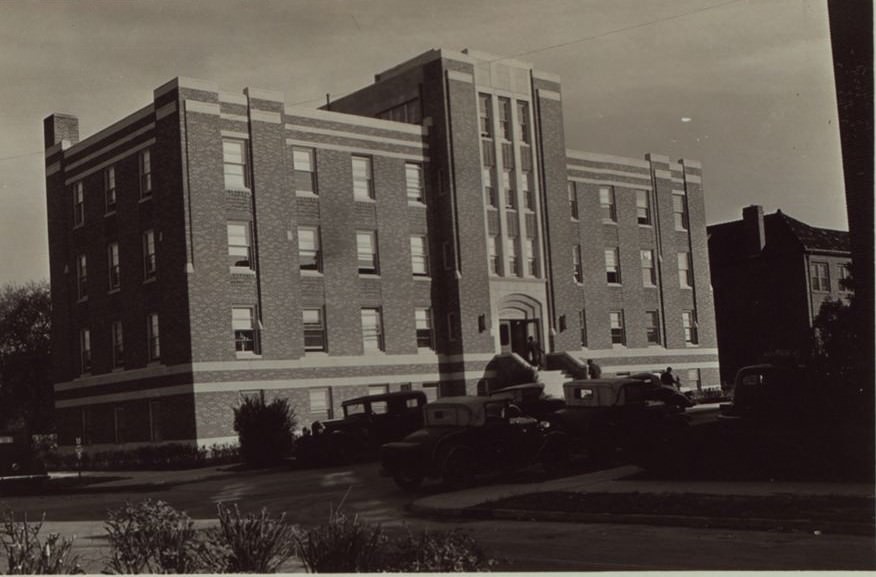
573, 199
314, 330
81, 276
485, 115
234, 161
612, 268
363, 187
372, 330
649, 273
505, 118
685, 279
652, 327
145, 173
408, 112
240, 245
153, 342
577, 266
414, 182
155, 429
508, 187
309, 256
112, 257
492, 255
118, 343
424, 328
452, 326
119, 424
679, 211
377, 390
689, 321
820, 274
304, 163
243, 323
109, 188
606, 203
419, 256
366, 251
531, 260
582, 320
85, 351
150, 263
845, 277
618, 332
447, 256
320, 403
78, 204
643, 207
528, 192
490, 188
523, 121
511, 253
431, 391
693, 379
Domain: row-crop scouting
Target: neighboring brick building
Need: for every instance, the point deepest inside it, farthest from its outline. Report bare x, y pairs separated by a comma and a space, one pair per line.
212, 245
770, 276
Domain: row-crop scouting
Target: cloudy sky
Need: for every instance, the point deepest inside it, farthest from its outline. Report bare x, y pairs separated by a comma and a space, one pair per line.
744, 86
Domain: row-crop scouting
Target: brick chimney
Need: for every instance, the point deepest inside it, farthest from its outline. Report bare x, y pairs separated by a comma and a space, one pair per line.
60, 128
754, 236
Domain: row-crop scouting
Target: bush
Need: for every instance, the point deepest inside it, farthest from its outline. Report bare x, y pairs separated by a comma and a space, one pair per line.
255, 543
153, 537
152, 457
437, 552
343, 545
264, 430
27, 554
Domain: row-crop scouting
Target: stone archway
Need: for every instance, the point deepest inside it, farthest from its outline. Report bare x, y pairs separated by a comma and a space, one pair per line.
520, 317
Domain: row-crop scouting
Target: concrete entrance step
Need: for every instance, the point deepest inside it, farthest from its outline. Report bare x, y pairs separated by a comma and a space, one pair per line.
553, 382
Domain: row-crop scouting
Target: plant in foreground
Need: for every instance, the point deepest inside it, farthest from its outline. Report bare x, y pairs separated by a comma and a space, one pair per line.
255, 543
27, 554
343, 545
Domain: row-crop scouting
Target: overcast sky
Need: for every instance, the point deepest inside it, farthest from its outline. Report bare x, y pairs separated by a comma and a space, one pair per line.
744, 86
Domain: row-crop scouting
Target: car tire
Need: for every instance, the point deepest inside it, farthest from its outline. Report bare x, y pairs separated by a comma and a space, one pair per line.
458, 468
407, 479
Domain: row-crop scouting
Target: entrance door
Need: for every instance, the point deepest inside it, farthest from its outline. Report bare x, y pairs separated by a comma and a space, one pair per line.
513, 334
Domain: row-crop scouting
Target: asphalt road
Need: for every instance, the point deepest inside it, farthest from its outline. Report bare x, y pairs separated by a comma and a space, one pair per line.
308, 496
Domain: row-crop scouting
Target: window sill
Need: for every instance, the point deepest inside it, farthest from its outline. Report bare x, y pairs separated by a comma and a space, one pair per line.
145, 198
241, 270
369, 275
692, 345
649, 286
681, 229
78, 226
109, 213
614, 284
423, 277
609, 221
311, 273
365, 200
322, 353
306, 194
246, 355
687, 288
416, 203
149, 280
113, 291
238, 189
82, 299
649, 225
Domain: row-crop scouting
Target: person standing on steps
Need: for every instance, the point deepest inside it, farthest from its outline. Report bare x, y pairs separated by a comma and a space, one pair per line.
534, 352
594, 371
670, 379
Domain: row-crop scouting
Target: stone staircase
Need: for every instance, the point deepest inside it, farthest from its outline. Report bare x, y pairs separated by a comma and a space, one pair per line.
553, 381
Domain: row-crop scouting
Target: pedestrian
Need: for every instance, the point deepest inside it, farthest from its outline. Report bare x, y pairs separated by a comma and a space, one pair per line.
534, 351
670, 379
594, 371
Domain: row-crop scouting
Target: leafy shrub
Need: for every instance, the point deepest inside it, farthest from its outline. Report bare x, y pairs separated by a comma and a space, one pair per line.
153, 457
343, 545
153, 537
264, 430
27, 554
437, 552
255, 543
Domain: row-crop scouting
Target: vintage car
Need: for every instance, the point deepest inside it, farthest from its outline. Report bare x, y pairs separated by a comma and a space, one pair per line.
17, 457
368, 422
464, 437
531, 399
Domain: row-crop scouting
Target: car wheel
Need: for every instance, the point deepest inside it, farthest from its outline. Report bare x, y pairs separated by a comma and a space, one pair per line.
458, 469
407, 478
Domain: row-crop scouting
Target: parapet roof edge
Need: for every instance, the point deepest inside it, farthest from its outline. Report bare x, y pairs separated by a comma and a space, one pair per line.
600, 157
114, 127
185, 82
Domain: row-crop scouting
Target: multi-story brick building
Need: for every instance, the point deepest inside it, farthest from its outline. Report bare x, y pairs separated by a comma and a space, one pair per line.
771, 275
410, 235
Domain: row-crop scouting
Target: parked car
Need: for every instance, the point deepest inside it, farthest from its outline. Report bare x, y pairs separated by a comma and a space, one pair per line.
368, 422
17, 457
464, 437
531, 399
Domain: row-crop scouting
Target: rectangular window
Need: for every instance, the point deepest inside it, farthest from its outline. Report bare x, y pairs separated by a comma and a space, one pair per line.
845, 277
145, 173
511, 253
424, 328
652, 327
679, 211
505, 118
618, 331
112, 258
240, 245
82, 276
372, 330
643, 207
155, 428
612, 268
109, 188
573, 199
118, 343
414, 182
152, 338
363, 186
150, 262
447, 256
689, 321
531, 260
78, 204
492, 255
606, 204
419, 256
582, 319
577, 265
309, 255
304, 163
234, 162
119, 424
85, 351
685, 280
452, 327
314, 330
243, 323
485, 109
508, 188
523, 121
693, 379
527, 190
320, 401
490, 188
366, 252
649, 273
820, 273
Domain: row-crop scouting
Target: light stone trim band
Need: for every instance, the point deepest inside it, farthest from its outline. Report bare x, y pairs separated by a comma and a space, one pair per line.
648, 352
549, 94
234, 134
615, 183
610, 158
267, 117
110, 161
356, 136
232, 98
353, 120
691, 163
663, 174
202, 107
53, 168
165, 110
184, 82
640, 368
111, 129
234, 117
576, 168
693, 178
356, 149
460, 76
115, 144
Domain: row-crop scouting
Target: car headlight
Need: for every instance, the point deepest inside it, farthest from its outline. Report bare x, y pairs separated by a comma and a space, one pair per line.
544, 424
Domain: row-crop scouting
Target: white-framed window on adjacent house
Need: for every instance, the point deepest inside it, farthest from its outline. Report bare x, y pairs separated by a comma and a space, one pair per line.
150, 262
118, 344
819, 273
78, 204
649, 272
685, 278
109, 189
414, 182
304, 163
363, 184
81, 276
643, 207
652, 327
320, 403
372, 329
679, 211
240, 245
425, 335
420, 255
314, 330
85, 351
366, 252
245, 327
145, 161
612, 266
309, 254
153, 340
618, 328
606, 204
113, 268
235, 164
689, 322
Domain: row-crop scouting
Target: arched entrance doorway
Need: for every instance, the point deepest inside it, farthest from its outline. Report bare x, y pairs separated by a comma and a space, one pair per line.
519, 319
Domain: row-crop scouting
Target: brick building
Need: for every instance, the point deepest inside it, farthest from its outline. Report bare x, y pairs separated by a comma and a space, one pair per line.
410, 235
771, 274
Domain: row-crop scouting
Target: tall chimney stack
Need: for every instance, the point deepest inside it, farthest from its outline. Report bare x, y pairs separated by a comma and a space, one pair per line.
754, 235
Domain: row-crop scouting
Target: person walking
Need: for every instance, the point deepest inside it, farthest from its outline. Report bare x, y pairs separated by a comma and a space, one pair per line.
670, 379
534, 351
594, 371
